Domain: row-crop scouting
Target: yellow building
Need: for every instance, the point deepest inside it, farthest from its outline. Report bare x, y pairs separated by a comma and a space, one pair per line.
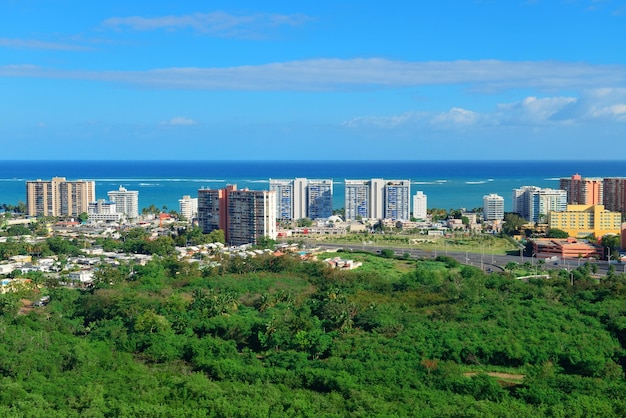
583, 220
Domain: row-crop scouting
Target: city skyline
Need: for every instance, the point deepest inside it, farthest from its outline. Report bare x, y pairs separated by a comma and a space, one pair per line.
313, 81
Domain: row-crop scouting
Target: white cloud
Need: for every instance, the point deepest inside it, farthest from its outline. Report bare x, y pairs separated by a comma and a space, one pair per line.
613, 112
350, 74
533, 110
214, 23
456, 116
453, 118
592, 107
36, 44
180, 121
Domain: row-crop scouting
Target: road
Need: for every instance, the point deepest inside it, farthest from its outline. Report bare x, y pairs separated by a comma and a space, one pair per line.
486, 262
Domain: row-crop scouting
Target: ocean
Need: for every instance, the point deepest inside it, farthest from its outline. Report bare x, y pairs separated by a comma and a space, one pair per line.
448, 184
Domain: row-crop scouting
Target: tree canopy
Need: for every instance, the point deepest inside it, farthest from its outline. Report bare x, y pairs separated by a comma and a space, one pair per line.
556, 233
279, 336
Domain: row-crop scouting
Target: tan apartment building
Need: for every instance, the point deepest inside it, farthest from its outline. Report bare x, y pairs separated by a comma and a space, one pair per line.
59, 197
583, 220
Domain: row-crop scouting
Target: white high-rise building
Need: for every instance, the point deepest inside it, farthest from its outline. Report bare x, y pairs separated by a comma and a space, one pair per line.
303, 198
127, 202
357, 199
397, 200
420, 206
533, 203
188, 207
377, 199
493, 207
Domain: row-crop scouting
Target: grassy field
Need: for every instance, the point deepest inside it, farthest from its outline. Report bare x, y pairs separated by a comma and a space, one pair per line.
486, 244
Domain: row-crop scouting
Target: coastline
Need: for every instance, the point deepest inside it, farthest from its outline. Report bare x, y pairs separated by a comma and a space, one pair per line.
447, 183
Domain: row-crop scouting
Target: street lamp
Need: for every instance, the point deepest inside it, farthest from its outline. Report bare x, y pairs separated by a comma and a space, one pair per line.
535, 263
482, 256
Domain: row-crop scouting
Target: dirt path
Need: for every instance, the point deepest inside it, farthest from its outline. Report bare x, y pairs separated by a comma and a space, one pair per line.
498, 375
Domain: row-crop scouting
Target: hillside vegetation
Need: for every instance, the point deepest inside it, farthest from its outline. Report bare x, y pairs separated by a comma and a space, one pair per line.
275, 336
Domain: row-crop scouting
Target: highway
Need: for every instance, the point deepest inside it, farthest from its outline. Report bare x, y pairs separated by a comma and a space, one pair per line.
486, 262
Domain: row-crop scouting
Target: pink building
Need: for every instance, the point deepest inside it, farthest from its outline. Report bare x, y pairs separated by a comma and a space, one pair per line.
583, 191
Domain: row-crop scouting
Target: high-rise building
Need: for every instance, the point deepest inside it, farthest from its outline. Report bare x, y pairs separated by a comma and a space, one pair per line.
211, 204
284, 198
397, 200
245, 215
127, 202
303, 198
59, 197
615, 194
493, 207
582, 191
377, 199
584, 220
420, 205
319, 199
533, 203
188, 207
357, 199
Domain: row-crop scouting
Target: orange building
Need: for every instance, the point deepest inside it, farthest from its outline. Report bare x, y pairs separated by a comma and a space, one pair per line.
583, 191
566, 248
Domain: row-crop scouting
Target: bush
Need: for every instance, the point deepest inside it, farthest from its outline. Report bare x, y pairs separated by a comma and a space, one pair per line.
387, 253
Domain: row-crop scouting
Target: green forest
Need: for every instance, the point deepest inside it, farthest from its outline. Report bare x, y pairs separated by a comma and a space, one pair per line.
278, 336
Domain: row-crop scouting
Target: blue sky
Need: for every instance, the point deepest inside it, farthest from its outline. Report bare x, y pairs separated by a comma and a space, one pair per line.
464, 79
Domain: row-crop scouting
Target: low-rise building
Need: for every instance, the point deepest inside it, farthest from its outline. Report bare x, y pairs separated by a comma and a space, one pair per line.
83, 276
342, 264
103, 211
566, 248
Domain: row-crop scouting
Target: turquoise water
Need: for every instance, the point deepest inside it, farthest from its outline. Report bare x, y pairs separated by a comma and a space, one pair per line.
448, 184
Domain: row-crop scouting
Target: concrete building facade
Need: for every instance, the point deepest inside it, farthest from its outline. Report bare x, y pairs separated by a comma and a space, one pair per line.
581, 221
533, 203
377, 199
493, 207
357, 199
420, 205
319, 199
103, 211
127, 202
303, 198
566, 248
59, 197
244, 215
615, 193
397, 195
188, 207
583, 191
